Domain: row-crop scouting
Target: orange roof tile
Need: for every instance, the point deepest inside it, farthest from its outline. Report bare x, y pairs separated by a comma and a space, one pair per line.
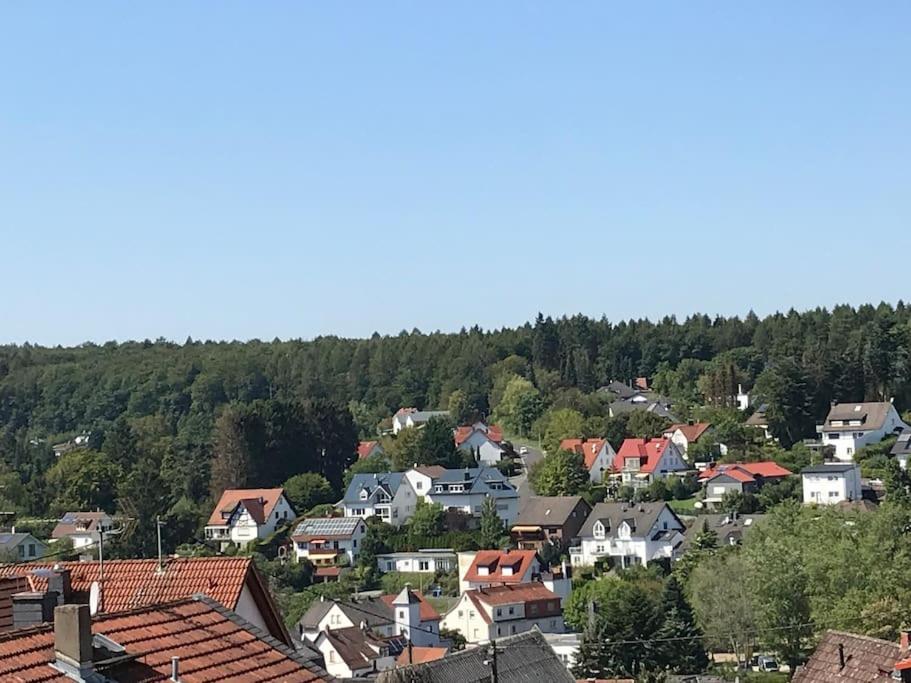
519, 560
522, 592
766, 469
692, 432
649, 451
364, 448
464, 432
211, 642
251, 497
419, 655
588, 448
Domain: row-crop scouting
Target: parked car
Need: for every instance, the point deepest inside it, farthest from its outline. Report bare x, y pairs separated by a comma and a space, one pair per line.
767, 664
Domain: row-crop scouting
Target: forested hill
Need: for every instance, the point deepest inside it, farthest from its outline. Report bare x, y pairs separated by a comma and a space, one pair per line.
153, 411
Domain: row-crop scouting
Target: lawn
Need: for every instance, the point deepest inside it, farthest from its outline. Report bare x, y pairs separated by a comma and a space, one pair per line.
685, 507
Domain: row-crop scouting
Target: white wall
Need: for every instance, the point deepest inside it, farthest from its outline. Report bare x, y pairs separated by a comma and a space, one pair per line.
829, 489
490, 452
846, 444
246, 608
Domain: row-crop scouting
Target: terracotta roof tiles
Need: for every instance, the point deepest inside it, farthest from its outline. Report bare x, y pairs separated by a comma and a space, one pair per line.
519, 561
231, 498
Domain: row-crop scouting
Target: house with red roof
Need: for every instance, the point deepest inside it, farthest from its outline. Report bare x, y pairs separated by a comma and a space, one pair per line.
486, 613
482, 440
740, 477
497, 567
641, 461
685, 434
245, 515
598, 455
369, 449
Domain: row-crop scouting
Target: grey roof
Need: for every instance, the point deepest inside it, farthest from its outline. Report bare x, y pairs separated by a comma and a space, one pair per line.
522, 658
641, 515
479, 477
12, 540
903, 445
327, 526
656, 407
372, 611
548, 510
423, 415
621, 389
829, 468
730, 531
386, 481
758, 418
871, 415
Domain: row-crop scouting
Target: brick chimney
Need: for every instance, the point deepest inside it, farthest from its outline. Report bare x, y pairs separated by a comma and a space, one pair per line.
30, 609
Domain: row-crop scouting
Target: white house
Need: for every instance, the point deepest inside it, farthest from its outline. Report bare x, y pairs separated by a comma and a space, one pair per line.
498, 611
387, 495
632, 534
641, 461
685, 434
412, 417
566, 646
850, 426
465, 490
598, 456
418, 562
483, 568
831, 483
82, 528
244, 515
743, 398
355, 652
902, 449
482, 440
323, 540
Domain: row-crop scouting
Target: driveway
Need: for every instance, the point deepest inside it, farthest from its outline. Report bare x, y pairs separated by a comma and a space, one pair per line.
521, 481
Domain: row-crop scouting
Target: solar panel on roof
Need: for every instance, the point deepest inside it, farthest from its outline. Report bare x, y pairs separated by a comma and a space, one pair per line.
329, 526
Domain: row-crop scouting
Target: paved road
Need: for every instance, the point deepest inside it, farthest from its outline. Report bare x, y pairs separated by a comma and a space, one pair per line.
521, 481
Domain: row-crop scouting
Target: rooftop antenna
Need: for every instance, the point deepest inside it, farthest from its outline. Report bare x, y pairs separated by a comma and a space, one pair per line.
158, 525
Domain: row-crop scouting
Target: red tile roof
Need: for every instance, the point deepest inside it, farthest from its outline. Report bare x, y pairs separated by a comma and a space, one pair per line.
364, 448
589, 448
212, 644
231, 498
463, 433
649, 452
747, 471
522, 592
692, 432
428, 613
419, 655
519, 560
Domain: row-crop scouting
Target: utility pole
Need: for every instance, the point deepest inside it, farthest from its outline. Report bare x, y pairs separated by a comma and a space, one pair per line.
101, 554
410, 652
494, 676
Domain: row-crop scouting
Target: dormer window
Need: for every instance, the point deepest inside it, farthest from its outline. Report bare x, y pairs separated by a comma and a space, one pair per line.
438, 488
598, 530
364, 494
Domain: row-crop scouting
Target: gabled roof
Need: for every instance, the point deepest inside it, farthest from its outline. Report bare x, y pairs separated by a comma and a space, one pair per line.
830, 468
642, 516
903, 445
212, 643
357, 647
870, 415
493, 432
513, 594
692, 432
419, 416
387, 482
549, 510
427, 613
259, 503
866, 660
79, 523
746, 471
758, 418
587, 448
477, 480
523, 658
131, 584
326, 527
9, 540
420, 655
365, 448
649, 452
519, 562
432, 471
376, 611
730, 529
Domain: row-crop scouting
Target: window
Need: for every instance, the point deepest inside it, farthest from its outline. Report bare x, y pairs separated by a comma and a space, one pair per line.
512, 610
354, 543
276, 514
499, 612
31, 549
850, 451
499, 631
363, 494
401, 614
461, 613
21, 551
512, 628
420, 485
834, 436
858, 435
332, 656
389, 566
533, 608
833, 494
423, 566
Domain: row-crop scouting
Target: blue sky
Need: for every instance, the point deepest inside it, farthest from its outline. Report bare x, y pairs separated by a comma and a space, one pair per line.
252, 170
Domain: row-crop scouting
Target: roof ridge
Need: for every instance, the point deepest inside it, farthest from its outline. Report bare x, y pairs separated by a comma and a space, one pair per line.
860, 636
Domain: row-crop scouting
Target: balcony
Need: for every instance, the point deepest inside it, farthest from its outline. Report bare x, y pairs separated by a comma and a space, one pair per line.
218, 533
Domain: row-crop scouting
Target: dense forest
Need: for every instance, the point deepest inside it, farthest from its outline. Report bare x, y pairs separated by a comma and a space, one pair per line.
167, 423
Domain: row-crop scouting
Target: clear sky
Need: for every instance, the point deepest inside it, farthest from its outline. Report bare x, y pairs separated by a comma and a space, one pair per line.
261, 169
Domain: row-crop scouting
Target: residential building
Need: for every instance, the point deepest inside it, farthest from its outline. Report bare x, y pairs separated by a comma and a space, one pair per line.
377, 614
522, 658
743, 398
465, 491
759, 421
420, 655
369, 449
82, 528
193, 639
412, 417
245, 515
21, 546
325, 540
233, 582
483, 568
831, 483
851, 658
565, 646
902, 449
598, 455
641, 461
484, 441
428, 561
630, 534
485, 613
851, 426
729, 528
684, 434
387, 495
356, 652
549, 519
745, 477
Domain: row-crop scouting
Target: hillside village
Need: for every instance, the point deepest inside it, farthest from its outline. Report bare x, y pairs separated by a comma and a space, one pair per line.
651, 529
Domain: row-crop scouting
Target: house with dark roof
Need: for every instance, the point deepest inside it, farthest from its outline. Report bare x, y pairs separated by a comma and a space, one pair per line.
82, 528
465, 490
324, 540
21, 546
549, 519
233, 582
745, 477
901, 451
387, 495
630, 534
729, 528
831, 483
523, 658
412, 417
853, 658
484, 441
357, 652
191, 640
851, 426
760, 422
483, 614
597, 456
245, 515
641, 461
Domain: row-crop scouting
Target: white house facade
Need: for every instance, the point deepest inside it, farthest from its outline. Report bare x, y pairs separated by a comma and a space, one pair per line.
630, 534
486, 450
388, 496
851, 426
324, 540
487, 613
418, 562
245, 515
831, 483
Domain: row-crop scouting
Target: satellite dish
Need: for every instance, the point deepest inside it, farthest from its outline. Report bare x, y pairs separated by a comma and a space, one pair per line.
94, 598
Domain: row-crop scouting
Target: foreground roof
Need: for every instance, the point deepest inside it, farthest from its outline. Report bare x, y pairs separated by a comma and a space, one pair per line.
211, 642
866, 660
259, 503
523, 658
